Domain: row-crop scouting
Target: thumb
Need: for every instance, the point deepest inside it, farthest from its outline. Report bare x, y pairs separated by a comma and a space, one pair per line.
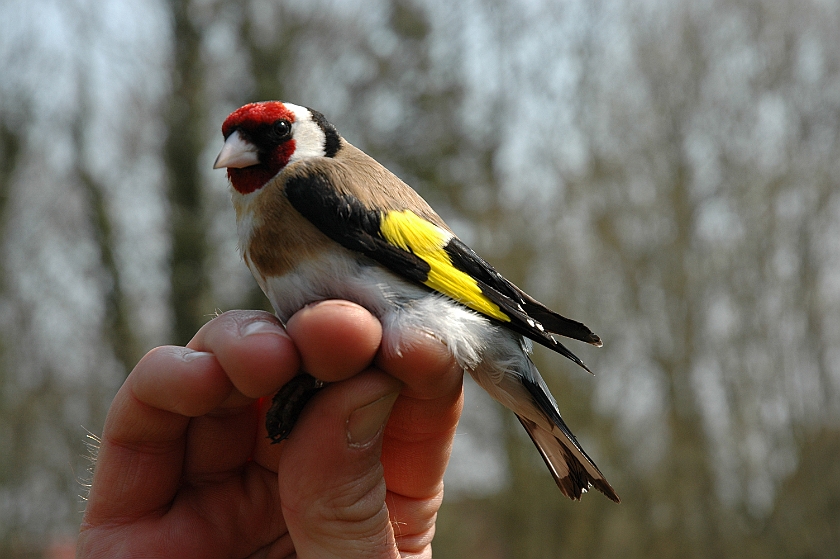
332, 489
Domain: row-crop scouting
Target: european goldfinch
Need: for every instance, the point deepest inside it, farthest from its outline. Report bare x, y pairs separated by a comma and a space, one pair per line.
318, 219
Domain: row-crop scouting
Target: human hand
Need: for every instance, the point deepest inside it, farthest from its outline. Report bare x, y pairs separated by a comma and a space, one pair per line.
185, 468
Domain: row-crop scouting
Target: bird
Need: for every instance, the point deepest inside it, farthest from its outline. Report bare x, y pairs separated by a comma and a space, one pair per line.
317, 218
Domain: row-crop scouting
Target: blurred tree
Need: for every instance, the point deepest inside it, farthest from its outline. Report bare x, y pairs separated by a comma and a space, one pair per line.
116, 325
9, 149
65, 326
804, 519
10, 144
185, 141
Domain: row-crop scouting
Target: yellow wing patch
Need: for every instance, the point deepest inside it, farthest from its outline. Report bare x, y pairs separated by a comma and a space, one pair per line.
426, 240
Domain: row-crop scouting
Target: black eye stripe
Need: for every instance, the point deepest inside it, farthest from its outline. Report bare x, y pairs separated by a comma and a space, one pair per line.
331, 138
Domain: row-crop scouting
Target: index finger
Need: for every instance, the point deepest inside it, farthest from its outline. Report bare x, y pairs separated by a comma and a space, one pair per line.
138, 466
145, 440
419, 434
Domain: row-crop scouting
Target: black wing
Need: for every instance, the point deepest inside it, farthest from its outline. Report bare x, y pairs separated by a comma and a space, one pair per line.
346, 220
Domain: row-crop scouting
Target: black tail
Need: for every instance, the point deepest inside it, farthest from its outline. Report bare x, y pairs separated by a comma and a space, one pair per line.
573, 470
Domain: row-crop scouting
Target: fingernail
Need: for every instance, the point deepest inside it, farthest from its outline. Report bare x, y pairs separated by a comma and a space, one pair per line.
259, 327
365, 423
331, 302
190, 355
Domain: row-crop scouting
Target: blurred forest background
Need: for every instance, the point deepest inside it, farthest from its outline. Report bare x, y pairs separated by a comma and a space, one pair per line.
666, 172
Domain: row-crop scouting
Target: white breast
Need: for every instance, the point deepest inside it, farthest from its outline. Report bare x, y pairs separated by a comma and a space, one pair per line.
405, 309
340, 274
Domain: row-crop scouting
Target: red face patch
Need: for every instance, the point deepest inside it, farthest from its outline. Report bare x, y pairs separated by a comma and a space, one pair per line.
253, 115
249, 120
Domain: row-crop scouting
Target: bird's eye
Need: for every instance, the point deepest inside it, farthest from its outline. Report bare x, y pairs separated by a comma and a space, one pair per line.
282, 130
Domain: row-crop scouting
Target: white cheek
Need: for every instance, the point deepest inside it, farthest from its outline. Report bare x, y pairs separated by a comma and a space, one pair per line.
309, 138
301, 113
309, 142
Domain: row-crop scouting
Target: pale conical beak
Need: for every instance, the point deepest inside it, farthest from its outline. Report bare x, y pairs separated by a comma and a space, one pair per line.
237, 153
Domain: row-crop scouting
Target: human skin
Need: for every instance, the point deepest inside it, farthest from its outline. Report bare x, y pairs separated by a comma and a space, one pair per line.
185, 468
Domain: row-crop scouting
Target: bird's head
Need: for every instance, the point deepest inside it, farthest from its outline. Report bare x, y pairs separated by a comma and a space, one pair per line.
262, 138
